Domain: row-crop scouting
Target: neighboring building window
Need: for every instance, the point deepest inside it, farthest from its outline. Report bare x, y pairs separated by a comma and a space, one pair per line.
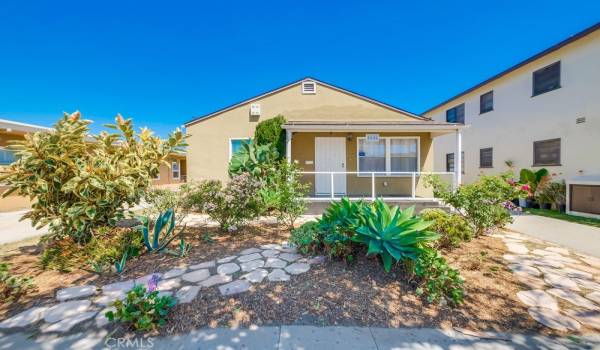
546, 79
456, 114
7, 156
388, 155
546, 152
486, 157
236, 144
450, 162
175, 170
486, 102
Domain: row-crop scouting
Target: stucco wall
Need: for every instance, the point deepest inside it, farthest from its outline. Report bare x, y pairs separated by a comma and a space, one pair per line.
166, 173
303, 151
518, 119
208, 150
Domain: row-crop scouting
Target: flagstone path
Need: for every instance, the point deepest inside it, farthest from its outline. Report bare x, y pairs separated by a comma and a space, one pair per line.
563, 286
231, 275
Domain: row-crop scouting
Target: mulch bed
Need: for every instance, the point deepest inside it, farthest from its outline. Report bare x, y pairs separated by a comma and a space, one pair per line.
333, 293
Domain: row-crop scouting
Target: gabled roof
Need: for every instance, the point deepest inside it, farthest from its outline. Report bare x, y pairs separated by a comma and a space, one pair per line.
539, 55
298, 82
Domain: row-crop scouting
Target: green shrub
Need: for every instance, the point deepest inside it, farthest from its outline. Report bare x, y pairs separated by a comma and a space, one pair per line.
393, 234
78, 185
107, 246
160, 200
141, 309
285, 193
308, 238
254, 159
197, 195
554, 193
236, 203
453, 228
535, 179
439, 280
338, 225
12, 287
481, 202
270, 132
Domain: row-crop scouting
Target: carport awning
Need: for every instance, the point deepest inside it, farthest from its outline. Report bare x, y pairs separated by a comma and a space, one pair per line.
434, 127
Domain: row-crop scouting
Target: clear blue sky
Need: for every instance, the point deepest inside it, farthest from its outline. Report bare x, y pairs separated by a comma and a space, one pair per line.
165, 62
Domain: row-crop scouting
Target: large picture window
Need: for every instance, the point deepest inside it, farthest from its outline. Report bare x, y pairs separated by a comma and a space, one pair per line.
388, 155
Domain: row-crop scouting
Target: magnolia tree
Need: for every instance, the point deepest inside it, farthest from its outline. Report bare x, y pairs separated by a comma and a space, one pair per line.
78, 182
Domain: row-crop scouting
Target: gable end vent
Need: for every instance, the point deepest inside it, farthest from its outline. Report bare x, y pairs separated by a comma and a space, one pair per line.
580, 120
309, 87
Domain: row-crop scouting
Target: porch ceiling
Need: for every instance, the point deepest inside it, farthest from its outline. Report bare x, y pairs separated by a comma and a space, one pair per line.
434, 127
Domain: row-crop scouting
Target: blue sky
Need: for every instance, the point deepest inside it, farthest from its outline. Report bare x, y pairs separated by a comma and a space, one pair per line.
165, 62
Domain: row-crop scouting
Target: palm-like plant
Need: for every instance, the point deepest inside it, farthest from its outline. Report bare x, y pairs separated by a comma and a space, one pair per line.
253, 158
392, 233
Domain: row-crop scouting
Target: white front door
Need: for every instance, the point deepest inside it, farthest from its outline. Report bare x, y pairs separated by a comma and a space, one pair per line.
330, 155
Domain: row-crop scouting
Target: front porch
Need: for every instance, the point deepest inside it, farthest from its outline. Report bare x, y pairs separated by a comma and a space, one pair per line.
360, 160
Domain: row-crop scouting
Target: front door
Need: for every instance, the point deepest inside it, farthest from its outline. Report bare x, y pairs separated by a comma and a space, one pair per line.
330, 155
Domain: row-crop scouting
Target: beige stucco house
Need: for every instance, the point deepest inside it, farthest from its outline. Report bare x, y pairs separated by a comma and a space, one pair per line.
343, 141
543, 112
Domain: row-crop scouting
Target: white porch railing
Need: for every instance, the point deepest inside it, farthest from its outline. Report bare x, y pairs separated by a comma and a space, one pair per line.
390, 176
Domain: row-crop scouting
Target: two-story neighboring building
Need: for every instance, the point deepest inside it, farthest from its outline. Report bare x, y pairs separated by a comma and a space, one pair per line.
541, 113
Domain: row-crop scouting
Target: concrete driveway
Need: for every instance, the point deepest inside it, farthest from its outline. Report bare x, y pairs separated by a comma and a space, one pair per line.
13, 230
581, 238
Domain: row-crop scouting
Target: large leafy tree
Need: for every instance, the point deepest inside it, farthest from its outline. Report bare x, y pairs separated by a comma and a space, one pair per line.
78, 182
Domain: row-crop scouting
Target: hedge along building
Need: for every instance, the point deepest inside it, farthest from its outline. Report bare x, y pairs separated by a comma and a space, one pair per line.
345, 143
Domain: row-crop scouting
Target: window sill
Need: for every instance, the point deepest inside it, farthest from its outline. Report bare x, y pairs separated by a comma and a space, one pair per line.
486, 167
488, 111
543, 92
554, 164
369, 175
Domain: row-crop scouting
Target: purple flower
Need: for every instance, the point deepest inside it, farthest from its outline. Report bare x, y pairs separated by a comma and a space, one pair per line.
153, 283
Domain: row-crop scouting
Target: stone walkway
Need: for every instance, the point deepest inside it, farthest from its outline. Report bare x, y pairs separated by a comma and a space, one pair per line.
231, 275
563, 286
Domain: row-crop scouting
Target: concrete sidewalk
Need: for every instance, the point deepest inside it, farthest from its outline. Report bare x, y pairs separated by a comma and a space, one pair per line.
303, 337
13, 230
581, 238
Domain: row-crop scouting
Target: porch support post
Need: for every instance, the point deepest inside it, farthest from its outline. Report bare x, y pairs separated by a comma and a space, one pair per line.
288, 145
458, 158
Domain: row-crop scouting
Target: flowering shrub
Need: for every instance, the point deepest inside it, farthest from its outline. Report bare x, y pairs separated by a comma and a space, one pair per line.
481, 202
284, 193
143, 308
235, 204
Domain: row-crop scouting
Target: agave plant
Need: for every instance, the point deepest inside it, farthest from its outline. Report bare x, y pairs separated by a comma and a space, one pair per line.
392, 233
120, 265
344, 216
160, 240
252, 158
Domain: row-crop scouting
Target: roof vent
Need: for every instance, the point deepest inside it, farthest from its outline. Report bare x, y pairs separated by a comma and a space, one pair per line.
309, 87
580, 120
255, 110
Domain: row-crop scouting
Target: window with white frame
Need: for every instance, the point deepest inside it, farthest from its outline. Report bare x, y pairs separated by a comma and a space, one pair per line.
175, 170
235, 144
7, 156
388, 155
